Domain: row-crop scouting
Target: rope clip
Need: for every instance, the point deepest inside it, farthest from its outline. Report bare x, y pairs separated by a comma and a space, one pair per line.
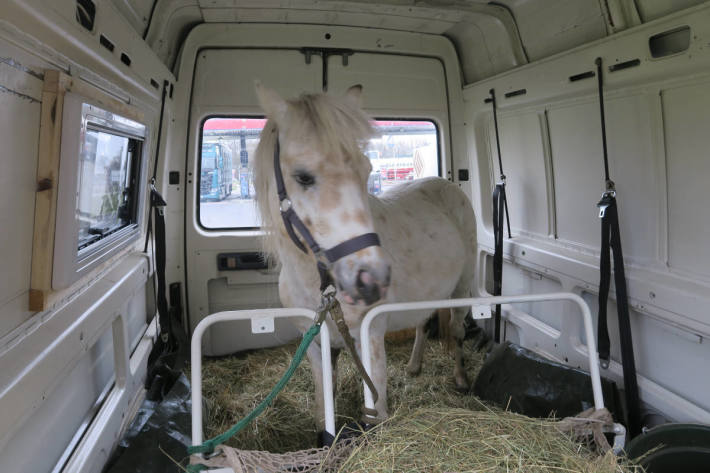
327, 302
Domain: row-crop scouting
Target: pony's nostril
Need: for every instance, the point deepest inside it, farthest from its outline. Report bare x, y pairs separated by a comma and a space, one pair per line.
366, 278
366, 287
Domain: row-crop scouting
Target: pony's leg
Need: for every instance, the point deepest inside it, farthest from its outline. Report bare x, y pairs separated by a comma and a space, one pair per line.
314, 357
379, 367
457, 334
463, 289
334, 354
414, 367
444, 316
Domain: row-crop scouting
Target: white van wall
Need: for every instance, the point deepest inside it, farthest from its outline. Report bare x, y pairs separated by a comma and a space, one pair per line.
657, 124
69, 375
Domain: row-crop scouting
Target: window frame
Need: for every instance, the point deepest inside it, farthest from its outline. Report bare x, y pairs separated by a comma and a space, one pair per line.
79, 116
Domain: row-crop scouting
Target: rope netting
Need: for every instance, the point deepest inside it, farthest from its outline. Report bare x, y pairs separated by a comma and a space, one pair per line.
303, 461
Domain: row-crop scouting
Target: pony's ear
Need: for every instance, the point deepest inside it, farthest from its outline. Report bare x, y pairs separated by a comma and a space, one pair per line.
354, 96
271, 102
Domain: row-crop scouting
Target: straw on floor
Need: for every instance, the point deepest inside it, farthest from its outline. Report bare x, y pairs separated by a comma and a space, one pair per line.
434, 428
233, 386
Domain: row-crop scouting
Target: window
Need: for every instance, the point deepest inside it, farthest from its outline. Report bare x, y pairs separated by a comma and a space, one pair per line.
226, 186
403, 150
107, 178
99, 193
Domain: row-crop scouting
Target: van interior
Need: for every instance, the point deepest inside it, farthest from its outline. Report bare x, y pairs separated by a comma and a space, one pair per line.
111, 108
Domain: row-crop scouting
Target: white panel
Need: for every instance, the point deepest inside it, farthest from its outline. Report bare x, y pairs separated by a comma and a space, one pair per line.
226, 77
652, 9
578, 167
519, 281
545, 24
667, 356
524, 166
226, 337
575, 140
19, 133
391, 82
687, 126
52, 426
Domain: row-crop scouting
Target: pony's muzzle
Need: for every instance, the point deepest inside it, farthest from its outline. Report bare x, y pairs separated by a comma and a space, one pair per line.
367, 284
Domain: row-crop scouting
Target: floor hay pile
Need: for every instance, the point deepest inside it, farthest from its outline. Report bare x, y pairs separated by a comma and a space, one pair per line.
434, 427
442, 440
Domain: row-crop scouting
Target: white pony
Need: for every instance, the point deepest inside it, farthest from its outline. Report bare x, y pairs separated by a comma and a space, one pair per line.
426, 228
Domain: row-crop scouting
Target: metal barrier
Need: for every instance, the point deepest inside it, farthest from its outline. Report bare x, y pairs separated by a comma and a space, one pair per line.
481, 309
262, 322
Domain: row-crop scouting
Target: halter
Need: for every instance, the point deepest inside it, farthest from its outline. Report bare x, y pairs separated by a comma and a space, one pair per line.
324, 258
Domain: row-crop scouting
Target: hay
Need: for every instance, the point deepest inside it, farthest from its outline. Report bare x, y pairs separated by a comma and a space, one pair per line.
441, 440
434, 427
233, 386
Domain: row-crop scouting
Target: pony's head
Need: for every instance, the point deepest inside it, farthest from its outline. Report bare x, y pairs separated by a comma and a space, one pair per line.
325, 175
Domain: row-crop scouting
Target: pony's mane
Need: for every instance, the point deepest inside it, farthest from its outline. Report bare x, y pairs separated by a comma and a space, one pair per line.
334, 123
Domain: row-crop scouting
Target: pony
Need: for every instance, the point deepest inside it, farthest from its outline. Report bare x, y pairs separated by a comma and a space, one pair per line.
426, 227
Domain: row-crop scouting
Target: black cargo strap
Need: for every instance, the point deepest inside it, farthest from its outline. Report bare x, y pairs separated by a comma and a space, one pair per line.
169, 353
324, 260
611, 240
500, 209
158, 204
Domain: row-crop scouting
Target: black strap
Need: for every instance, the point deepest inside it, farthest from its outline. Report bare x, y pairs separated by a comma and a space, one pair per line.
168, 354
611, 240
158, 203
351, 246
155, 163
611, 237
500, 156
498, 210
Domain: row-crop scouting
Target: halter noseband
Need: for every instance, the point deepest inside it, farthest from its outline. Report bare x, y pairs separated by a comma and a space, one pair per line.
292, 220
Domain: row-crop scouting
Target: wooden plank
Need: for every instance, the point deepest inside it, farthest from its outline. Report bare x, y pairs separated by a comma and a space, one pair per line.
56, 85
50, 129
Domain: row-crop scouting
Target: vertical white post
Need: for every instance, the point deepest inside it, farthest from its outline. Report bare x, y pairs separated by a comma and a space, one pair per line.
196, 360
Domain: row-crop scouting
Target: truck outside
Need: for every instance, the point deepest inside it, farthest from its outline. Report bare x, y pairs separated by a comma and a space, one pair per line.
215, 172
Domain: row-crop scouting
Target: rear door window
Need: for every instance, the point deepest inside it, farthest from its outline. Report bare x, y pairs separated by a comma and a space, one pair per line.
402, 150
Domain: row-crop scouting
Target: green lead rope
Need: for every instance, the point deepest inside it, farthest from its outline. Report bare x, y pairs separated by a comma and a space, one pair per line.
209, 445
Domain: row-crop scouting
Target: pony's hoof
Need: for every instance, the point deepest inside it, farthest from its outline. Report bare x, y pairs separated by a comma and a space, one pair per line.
414, 370
462, 385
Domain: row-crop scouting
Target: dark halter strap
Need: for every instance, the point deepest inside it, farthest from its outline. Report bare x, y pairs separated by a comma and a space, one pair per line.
293, 223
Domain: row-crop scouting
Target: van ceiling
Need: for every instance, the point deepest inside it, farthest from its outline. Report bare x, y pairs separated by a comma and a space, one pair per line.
491, 37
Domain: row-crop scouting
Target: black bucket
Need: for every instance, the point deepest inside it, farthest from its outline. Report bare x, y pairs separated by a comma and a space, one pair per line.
678, 448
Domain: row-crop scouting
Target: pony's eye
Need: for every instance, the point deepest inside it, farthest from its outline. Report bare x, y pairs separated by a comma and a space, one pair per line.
304, 179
